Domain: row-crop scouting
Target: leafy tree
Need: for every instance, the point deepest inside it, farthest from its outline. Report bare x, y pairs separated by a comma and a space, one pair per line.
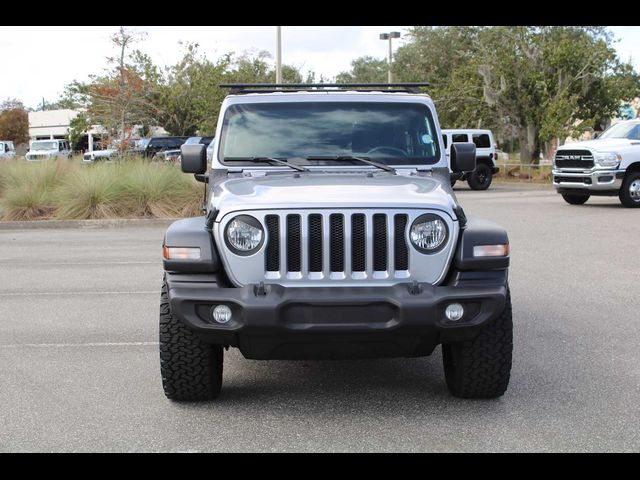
14, 122
365, 70
541, 82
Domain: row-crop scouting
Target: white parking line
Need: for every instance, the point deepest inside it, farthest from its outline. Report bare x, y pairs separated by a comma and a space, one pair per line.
90, 344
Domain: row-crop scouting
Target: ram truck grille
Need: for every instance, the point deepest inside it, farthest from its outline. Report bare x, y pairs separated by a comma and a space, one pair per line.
577, 159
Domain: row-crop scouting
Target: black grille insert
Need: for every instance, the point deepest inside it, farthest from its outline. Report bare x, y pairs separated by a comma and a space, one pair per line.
336, 244
272, 260
315, 242
400, 249
294, 246
380, 242
358, 243
574, 159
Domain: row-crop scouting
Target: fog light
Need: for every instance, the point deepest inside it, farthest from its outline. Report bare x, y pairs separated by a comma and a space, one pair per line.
454, 312
221, 314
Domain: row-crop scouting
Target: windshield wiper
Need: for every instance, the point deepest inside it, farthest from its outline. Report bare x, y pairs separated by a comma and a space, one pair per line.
266, 160
349, 157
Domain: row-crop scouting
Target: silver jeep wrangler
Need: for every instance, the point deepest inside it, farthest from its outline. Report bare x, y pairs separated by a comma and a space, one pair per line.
331, 232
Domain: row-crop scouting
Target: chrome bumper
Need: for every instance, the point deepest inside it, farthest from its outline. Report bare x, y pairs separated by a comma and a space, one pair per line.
590, 180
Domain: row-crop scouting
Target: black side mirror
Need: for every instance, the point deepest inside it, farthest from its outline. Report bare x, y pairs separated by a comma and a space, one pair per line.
463, 157
193, 158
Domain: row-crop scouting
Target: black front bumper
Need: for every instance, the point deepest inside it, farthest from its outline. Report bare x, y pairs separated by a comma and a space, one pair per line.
334, 322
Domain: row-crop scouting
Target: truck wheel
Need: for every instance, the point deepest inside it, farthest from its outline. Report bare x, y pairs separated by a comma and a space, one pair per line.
191, 369
630, 192
481, 177
575, 199
480, 368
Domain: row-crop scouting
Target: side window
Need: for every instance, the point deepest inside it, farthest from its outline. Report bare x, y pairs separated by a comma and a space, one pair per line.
176, 143
60, 146
445, 140
459, 138
481, 140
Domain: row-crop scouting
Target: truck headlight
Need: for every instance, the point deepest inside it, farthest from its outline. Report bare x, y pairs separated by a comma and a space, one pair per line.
607, 159
244, 235
428, 233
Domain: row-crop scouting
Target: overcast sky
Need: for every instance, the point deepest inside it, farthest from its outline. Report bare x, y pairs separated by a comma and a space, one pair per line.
39, 61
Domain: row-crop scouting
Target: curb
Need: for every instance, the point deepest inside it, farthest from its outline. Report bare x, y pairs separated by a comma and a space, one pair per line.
82, 224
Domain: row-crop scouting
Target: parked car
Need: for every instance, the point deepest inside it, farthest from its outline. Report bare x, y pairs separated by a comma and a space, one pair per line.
607, 166
174, 155
7, 150
332, 232
48, 149
149, 147
107, 154
481, 177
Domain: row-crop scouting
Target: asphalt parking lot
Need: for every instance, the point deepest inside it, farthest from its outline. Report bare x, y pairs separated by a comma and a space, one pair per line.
79, 366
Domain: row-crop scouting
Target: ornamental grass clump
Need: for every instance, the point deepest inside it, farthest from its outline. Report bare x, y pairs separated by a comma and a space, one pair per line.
27, 189
158, 190
89, 192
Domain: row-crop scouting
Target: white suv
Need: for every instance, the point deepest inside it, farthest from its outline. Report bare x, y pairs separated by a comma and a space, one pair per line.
481, 177
47, 149
7, 150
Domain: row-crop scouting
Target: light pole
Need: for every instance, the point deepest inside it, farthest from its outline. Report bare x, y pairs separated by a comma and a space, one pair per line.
278, 54
389, 36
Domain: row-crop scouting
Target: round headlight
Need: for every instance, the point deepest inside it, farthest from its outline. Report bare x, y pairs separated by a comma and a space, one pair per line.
428, 233
244, 235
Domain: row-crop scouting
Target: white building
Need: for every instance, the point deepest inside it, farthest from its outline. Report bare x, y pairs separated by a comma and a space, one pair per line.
50, 124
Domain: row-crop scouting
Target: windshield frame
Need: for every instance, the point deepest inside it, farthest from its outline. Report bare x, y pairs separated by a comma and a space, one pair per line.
421, 102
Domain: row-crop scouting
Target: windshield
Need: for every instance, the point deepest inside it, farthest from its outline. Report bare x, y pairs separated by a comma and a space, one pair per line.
142, 143
44, 146
390, 133
623, 130
193, 141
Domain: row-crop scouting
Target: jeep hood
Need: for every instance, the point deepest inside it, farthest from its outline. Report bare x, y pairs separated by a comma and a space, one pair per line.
331, 191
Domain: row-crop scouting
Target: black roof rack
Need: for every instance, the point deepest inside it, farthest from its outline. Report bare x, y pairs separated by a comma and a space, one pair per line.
314, 87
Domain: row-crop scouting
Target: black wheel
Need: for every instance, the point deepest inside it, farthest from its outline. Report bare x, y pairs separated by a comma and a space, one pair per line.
481, 177
575, 199
480, 368
191, 369
630, 191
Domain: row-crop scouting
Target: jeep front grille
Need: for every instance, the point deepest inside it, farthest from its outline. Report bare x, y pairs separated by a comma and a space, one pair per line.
327, 247
579, 159
370, 238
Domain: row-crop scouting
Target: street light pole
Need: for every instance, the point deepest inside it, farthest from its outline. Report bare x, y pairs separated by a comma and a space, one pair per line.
389, 36
278, 54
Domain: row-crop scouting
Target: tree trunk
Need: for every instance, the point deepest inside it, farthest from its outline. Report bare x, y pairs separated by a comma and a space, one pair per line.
529, 144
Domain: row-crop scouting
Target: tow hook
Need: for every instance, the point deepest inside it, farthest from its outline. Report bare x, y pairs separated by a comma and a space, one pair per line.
414, 288
260, 290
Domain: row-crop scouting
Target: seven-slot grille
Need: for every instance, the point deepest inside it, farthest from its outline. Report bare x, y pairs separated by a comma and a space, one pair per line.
581, 159
336, 245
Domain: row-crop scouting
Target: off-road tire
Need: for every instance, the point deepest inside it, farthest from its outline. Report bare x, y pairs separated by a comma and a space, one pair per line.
625, 196
191, 369
480, 178
480, 368
575, 199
